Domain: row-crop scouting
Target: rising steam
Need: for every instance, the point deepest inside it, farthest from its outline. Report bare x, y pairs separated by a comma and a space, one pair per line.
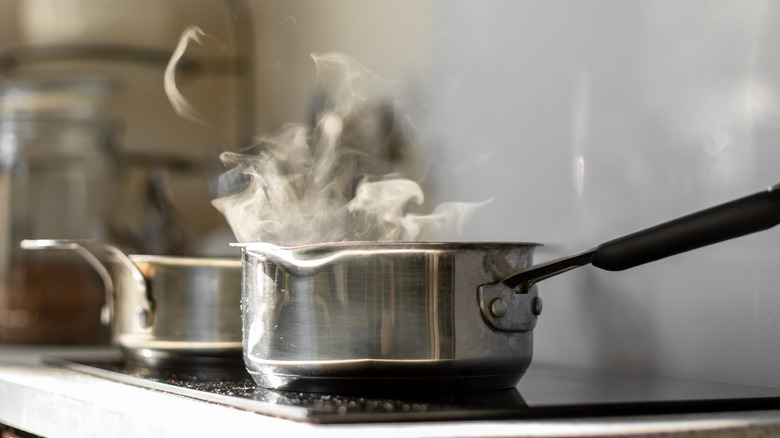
180, 104
378, 213
347, 178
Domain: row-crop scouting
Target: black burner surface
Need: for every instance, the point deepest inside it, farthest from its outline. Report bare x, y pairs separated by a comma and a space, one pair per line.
544, 392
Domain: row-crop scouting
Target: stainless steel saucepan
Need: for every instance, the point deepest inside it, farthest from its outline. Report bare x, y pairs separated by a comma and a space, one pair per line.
166, 310
341, 317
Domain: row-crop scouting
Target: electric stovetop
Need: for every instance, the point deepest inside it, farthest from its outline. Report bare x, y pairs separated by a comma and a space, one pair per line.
545, 391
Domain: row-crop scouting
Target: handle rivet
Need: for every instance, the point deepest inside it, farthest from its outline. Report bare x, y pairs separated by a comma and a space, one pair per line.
537, 306
498, 307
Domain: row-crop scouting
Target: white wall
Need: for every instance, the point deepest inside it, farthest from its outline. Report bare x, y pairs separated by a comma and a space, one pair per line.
587, 120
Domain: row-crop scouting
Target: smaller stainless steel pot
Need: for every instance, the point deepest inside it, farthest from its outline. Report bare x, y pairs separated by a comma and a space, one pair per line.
166, 310
340, 317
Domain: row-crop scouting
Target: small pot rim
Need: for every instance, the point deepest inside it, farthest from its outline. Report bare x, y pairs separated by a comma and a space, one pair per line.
221, 262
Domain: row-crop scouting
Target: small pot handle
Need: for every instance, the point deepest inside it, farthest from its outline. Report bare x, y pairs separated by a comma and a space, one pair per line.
91, 251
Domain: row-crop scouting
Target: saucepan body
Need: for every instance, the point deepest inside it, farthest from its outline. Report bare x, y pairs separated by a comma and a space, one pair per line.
382, 315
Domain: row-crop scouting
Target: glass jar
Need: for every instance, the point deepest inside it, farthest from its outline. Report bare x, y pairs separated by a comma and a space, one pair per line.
58, 177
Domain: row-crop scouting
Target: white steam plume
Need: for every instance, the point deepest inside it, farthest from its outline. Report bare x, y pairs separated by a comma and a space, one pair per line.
180, 104
336, 181
290, 197
378, 213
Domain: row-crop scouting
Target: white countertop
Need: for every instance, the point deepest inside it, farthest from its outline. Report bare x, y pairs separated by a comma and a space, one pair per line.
56, 402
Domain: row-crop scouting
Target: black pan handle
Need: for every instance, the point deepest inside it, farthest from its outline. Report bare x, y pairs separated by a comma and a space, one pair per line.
737, 218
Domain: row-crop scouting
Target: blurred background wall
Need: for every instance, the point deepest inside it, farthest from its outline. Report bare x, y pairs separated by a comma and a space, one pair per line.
580, 121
